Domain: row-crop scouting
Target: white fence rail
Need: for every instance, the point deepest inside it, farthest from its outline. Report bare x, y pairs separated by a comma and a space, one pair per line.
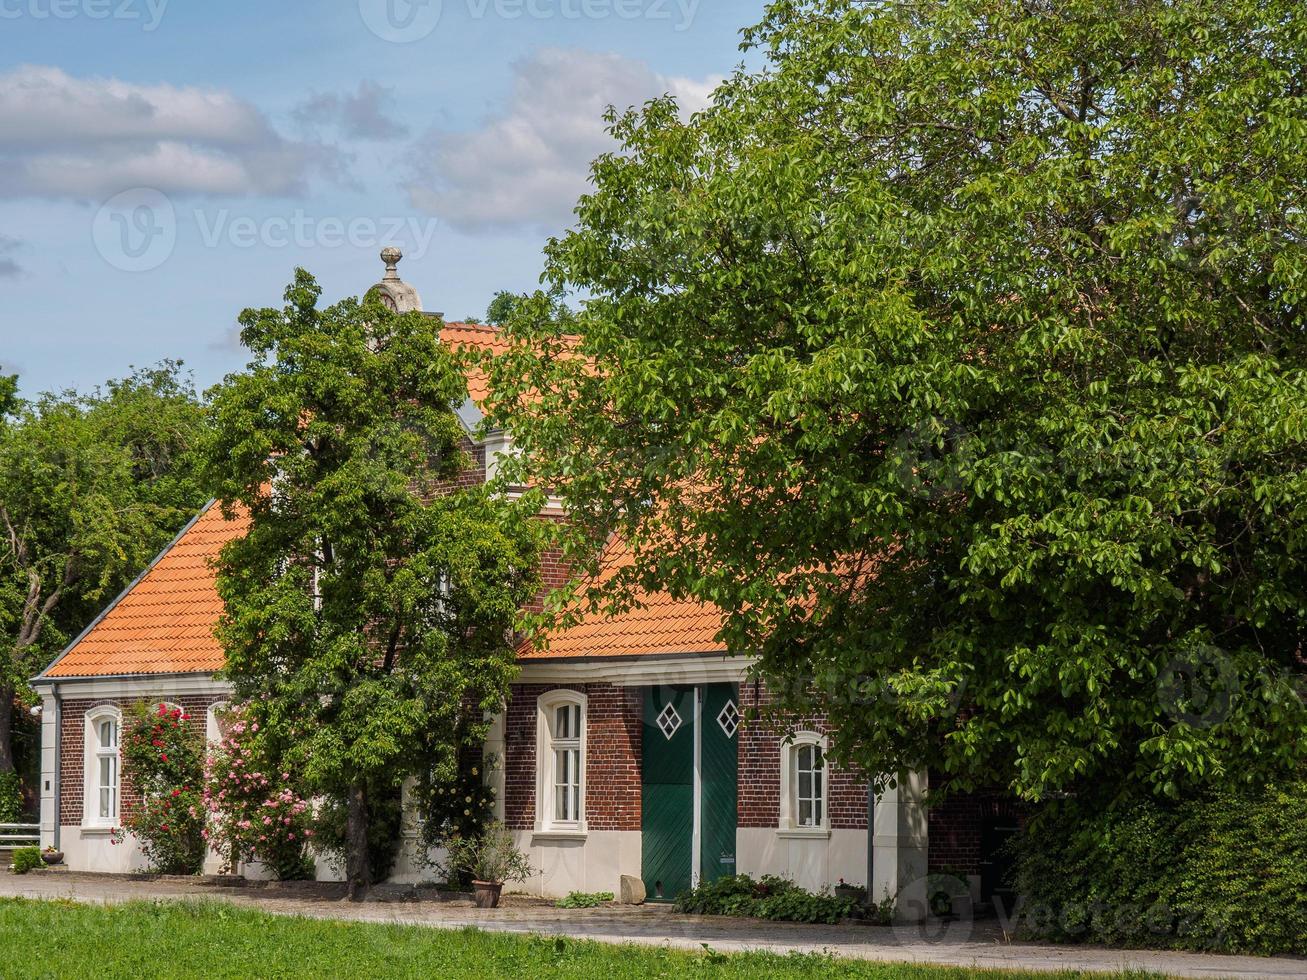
19, 835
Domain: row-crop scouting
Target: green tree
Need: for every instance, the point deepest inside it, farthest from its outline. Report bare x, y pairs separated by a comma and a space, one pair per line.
958, 353
370, 608
505, 305
91, 488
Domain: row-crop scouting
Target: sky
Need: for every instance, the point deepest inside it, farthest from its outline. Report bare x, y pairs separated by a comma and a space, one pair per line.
166, 163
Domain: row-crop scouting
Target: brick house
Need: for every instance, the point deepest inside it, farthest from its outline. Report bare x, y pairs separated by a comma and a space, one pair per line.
624, 748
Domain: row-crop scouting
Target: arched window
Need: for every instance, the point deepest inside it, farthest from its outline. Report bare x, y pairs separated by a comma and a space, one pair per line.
103, 768
560, 760
804, 784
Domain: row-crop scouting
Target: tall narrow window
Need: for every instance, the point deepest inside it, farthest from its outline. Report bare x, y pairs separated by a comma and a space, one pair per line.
103, 770
804, 810
567, 763
810, 785
560, 752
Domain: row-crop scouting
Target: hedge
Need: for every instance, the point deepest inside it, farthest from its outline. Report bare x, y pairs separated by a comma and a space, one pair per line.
1227, 872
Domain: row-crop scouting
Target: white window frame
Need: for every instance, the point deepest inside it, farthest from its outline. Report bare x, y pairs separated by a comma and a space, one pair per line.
95, 752
212, 730
546, 754
789, 825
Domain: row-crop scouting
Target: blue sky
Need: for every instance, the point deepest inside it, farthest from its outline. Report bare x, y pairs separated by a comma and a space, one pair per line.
167, 163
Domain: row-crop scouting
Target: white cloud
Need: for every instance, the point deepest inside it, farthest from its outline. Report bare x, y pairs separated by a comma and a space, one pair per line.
89, 138
527, 165
362, 115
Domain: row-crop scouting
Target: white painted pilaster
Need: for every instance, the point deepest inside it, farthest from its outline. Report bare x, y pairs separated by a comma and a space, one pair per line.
900, 843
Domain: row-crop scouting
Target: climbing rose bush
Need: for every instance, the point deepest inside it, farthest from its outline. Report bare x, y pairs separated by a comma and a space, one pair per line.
163, 757
254, 810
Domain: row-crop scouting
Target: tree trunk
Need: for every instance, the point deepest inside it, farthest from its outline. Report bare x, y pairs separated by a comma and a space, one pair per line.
357, 873
6, 728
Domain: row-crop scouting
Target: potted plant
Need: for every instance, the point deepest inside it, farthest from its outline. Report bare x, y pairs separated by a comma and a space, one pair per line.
852, 893
51, 856
490, 860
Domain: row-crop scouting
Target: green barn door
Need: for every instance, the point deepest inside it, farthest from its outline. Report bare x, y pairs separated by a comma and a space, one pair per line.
719, 769
667, 808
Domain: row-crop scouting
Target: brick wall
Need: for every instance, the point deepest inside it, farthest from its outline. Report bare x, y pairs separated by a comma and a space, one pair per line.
472, 476
72, 747
612, 755
760, 770
956, 822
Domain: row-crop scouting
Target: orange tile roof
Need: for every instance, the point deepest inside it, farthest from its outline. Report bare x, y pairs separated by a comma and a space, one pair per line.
656, 624
474, 335
163, 623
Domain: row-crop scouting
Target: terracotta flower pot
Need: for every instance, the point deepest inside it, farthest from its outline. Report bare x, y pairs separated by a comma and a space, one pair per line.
486, 893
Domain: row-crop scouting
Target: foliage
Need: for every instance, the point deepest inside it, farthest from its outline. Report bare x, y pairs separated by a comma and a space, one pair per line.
584, 900
958, 354
461, 805
11, 799
26, 859
163, 757
91, 488
255, 811
506, 305
770, 897
1223, 872
385, 825
493, 857
369, 608
205, 939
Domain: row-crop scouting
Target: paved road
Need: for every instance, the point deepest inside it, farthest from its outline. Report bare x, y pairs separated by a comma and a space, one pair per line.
962, 944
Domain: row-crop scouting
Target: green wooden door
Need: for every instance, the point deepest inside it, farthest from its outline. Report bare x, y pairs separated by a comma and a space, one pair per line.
719, 772
667, 809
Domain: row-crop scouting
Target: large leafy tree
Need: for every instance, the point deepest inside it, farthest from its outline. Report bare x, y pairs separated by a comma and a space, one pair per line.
958, 353
91, 488
369, 610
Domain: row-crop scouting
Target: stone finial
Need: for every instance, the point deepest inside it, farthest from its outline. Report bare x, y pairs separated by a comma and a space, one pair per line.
394, 291
391, 256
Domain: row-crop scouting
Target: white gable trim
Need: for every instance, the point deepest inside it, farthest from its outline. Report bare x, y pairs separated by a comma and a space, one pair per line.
639, 671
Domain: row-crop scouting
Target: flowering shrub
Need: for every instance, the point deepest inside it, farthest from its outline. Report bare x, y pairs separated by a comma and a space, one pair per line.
163, 756
254, 810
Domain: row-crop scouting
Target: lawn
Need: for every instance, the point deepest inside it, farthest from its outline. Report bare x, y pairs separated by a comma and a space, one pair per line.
214, 939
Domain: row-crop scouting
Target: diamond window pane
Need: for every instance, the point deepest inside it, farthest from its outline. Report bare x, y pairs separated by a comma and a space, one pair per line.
729, 719
669, 721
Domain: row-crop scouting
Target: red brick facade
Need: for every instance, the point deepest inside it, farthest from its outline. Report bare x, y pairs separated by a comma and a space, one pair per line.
957, 828
613, 759
760, 771
612, 755
72, 747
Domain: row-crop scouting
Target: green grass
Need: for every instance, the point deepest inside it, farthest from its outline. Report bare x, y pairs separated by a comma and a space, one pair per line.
216, 939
